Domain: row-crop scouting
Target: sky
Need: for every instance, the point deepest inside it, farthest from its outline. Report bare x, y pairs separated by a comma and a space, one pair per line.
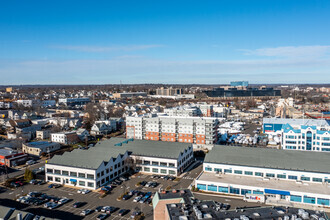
174, 42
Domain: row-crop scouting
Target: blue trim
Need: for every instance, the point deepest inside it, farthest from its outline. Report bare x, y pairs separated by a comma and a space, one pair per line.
279, 192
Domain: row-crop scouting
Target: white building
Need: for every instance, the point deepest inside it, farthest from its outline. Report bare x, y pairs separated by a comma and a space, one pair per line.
197, 130
111, 158
284, 177
306, 138
73, 101
65, 137
28, 102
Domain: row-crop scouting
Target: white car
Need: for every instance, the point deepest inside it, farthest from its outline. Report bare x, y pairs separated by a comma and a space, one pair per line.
85, 212
83, 191
136, 199
63, 201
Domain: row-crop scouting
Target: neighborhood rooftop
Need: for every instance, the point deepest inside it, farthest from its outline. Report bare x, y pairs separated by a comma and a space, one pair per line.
105, 150
270, 158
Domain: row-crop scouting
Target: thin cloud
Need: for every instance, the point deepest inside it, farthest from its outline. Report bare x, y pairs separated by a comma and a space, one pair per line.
98, 49
290, 51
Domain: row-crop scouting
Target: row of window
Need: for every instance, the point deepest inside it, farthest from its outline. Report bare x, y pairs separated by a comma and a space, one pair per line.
270, 175
156, 170
80, 183
232, 190
156, 163
72, 174
110, 169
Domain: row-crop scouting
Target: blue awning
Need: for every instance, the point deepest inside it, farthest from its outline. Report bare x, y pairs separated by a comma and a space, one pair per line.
278, 192
73, 180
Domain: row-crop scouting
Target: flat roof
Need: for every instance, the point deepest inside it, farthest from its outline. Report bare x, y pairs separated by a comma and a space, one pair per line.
259, 182
105, 150
270, 158
307, 122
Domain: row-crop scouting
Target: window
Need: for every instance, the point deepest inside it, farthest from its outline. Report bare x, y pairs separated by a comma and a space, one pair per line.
223, 189
73, 174
270, 175
57, 171
89, 184
65, 173
146, 162
317, 180
171, 165
218, 170
163, 164
201, 186
324, 202
155, 163
49, 178
82, 183
81, 175
258, 174
57, 179
163, 171
172, 172
90, 176
310, 200
102, 173
305, 178
49, 170
208, 169
245, 191
281, 176
154, 170
212, 188
258, 192
250, 173
238, 171
292, 177
228, 171
147, 169
234, 190
294, 198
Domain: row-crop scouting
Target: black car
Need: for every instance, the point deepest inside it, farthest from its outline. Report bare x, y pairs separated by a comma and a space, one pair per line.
102, 216
126, 197
143, 183
98, 209
123, 212
77, 204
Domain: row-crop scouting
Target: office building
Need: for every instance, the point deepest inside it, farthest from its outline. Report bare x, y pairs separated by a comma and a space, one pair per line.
73, 101
109, 159
38, 147
243, 93
239, 83
168, 91
283, 177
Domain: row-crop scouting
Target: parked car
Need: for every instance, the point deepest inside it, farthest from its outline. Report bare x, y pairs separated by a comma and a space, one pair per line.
86, 212
102, 216
33, 182
123, 212
127, 197
143, 183
41, 182
63, 201
137, 199
77, 204
83, 191
30, 162
135, 213
98, 208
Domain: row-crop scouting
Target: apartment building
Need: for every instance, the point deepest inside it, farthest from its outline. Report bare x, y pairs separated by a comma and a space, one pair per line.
168, 91
109, 159
196, 130
73, 101
305, 138
283, 177
65, 137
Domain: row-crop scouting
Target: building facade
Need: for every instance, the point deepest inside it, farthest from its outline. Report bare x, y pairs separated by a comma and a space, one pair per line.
65, 138
197, 130
282, 177
109, 159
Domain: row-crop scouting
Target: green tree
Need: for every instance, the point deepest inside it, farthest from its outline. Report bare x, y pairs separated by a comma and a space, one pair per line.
28, 175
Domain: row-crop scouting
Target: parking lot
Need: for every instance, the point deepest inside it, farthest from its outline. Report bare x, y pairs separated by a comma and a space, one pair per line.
93, 200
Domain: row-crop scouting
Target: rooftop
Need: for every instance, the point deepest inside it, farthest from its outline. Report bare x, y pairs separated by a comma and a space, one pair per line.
259, 182
306, 122
270, 158
105, 150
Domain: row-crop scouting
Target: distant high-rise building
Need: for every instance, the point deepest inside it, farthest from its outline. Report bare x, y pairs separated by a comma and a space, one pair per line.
239, 83
168, 91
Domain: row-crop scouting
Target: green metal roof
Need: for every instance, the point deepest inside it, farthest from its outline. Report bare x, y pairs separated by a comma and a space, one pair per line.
160, 149
105, 150
270, 158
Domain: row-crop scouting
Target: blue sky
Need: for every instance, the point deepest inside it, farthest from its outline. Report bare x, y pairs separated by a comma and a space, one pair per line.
105, 42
